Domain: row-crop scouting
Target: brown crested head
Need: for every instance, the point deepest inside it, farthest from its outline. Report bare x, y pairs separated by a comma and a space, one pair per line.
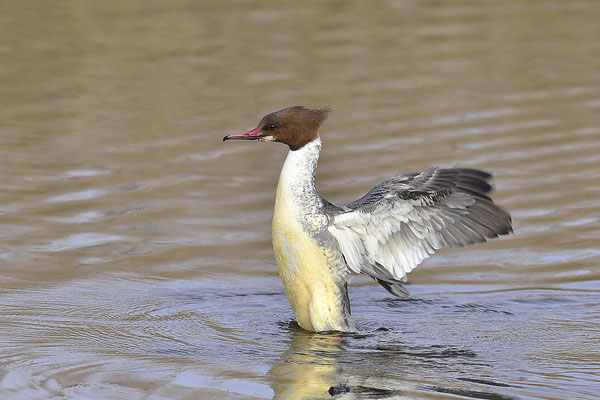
294, 126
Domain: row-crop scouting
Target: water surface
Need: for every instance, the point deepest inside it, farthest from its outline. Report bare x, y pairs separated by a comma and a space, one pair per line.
135, 259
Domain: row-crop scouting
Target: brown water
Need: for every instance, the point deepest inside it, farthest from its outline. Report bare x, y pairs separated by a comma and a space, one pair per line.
135, 259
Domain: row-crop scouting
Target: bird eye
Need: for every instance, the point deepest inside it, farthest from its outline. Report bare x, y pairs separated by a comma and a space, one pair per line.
270, 127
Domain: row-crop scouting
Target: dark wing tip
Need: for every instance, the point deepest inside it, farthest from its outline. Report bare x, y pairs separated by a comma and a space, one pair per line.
482, 220
473, 180
395, 287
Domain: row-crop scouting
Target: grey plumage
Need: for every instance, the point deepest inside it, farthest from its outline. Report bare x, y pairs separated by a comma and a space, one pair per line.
406, 218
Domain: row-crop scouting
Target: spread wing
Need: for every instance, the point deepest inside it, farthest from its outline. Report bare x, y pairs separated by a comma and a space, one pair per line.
406, 218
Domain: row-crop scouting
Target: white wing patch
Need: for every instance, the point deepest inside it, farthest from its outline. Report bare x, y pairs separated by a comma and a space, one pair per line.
397, 234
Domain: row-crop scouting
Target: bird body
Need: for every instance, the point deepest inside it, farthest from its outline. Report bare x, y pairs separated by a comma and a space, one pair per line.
311, 266
384, 234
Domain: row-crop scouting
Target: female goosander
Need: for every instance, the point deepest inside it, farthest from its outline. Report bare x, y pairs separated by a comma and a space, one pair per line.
385, 234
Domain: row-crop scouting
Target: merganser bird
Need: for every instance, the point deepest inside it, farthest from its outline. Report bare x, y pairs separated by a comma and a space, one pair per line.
385, 234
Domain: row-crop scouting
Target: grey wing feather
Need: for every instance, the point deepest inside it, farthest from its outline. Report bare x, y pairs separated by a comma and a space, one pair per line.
406, 218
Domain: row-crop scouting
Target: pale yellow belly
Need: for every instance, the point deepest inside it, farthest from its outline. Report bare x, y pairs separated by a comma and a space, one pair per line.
311, 284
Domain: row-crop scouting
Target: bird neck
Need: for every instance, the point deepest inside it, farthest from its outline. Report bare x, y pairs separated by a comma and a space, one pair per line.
297, 179
301, 165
